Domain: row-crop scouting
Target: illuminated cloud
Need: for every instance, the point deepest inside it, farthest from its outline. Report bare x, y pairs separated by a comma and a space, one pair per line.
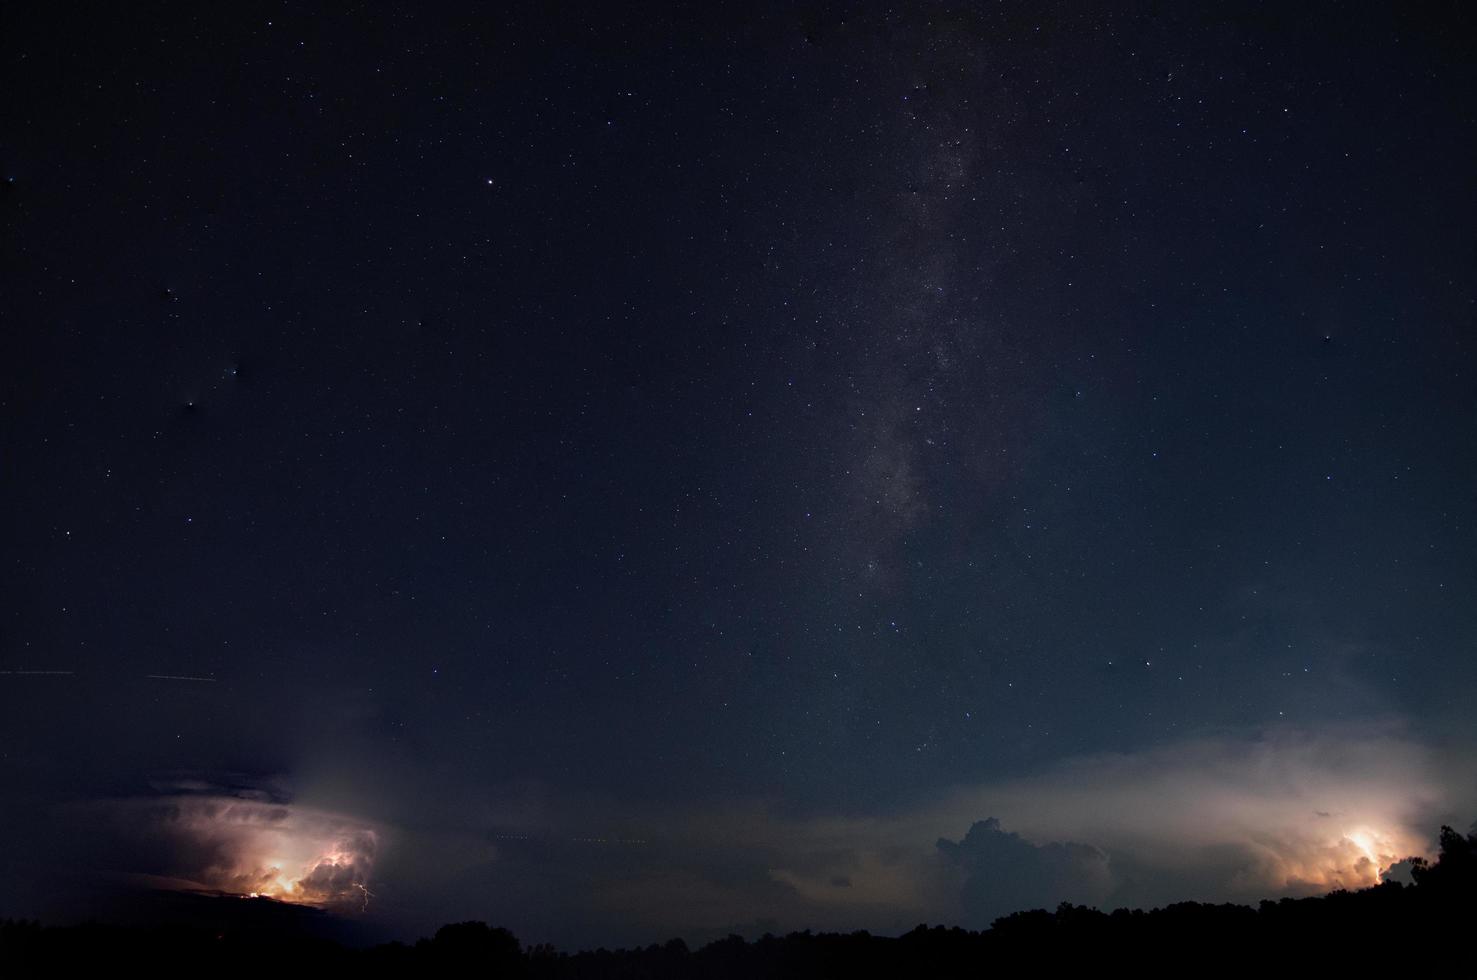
257, 847
1228, 818
1236, 817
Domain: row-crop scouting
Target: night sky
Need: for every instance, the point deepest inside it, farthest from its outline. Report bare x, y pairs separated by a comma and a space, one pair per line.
621, 474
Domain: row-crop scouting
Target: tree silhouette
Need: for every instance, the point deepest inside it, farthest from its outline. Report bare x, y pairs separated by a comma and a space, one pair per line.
477, 949
1455, 870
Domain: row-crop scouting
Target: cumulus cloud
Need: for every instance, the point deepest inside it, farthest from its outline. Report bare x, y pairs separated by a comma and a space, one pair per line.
1235, 817
1004, 872
248, 844
1231, 817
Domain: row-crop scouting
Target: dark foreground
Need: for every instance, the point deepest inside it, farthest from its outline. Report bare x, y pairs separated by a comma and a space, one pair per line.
1425, 929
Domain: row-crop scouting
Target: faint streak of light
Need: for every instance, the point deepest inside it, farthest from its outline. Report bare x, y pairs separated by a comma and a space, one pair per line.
367, 896
73, 673
573, 840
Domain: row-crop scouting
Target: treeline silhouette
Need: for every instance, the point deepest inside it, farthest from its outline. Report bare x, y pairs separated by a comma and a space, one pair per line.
1427, 928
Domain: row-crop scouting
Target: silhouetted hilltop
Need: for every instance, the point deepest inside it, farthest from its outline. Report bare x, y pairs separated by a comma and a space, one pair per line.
1422, 929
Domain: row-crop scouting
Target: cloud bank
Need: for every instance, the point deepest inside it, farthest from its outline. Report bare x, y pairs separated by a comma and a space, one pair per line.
1224, 818
252, 846
1234, 817
1239, 818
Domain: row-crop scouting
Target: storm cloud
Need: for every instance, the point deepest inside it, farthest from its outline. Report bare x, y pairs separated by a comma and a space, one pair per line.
1231, 817
249, 846
1005, 873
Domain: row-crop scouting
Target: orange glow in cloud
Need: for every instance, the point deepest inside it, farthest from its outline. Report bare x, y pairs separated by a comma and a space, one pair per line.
281, 851
1283, 812
1356, 857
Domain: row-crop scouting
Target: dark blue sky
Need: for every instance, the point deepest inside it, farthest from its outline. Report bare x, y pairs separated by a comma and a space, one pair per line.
562, 424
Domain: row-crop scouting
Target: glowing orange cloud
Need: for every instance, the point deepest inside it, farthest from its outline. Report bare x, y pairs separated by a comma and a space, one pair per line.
283, 851
1294, 812
1353, 856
